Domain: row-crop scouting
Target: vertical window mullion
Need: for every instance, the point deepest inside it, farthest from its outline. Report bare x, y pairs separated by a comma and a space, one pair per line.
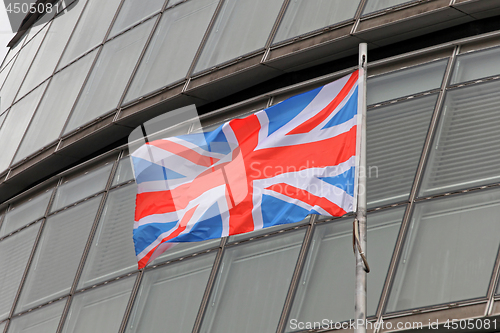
416, 185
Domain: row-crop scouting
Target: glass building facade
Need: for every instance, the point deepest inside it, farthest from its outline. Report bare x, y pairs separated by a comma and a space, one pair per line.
71, 91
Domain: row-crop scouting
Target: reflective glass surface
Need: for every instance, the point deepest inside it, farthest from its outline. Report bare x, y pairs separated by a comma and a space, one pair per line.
13, 52
124, 171
171, 294
110, 75
303, 16
52, 47
100, 309
14, 254
85, 185
133, 12
2, 118
395, 138
232, 308
405, 82
327, 283
55, 107
475, 65
466, 148
44, 320
260, 232
449, 252
24, 213
173, 2
58, 254
185, 249
375, 5
112, 251
15, 125
20, 67
172, 49
90, 29
4, 73
242, 26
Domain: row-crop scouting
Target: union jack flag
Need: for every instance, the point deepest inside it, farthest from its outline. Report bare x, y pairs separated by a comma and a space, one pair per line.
276, 166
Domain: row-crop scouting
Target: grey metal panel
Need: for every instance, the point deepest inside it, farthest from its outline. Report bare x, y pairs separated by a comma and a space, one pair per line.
138, 113
478, 9
409, 22
416, 29
231, 79
314, 50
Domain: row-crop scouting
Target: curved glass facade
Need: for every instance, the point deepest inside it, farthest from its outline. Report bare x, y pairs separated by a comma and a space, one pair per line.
143, 50
67, 260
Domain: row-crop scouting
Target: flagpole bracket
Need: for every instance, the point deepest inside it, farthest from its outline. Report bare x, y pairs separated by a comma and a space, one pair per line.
357, 244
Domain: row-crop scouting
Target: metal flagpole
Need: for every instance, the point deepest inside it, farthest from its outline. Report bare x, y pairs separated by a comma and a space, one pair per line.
360, 222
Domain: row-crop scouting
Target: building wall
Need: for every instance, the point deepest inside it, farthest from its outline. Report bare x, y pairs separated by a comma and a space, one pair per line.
71, 90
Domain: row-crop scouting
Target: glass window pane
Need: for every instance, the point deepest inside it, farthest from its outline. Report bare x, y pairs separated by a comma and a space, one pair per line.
326, 288
42, 22
171, 294
172, 49
44, 320
375, 5
303, 16
124, 171
25, 213
183, 249
449, 252
58, 254
13, 51
133, 12
264, 231
15, 125
476, 65
90, 30
8, 57
173, 2
110, 75
240, 295
466, 149
5, 72
52, 47
14, 254
2, 117
395, 138
112, 252
21, 66
76, 189
100, 309
405, 82
55, 106
242, 26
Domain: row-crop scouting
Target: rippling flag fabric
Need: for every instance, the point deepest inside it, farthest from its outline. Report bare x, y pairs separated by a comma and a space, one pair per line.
273, 167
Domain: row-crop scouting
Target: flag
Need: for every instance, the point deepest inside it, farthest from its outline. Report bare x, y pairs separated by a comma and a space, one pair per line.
273, 167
